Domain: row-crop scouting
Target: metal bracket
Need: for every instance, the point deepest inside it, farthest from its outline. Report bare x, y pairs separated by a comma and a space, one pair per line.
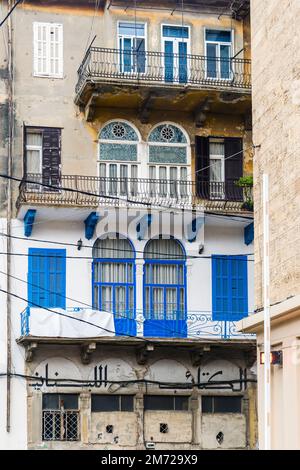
142, 226
86, 352
142, 354
30, 349
29, 221
194, 227
197, 355
90, 224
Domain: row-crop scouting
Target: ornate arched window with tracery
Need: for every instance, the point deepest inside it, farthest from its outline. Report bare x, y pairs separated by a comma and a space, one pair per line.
118, 158
168, 160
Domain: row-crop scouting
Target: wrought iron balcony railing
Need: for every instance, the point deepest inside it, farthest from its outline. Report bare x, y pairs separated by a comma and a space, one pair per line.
162, 68
191, 325
93, 191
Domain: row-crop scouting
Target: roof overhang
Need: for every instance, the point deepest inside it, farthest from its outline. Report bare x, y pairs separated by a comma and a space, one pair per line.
237, 9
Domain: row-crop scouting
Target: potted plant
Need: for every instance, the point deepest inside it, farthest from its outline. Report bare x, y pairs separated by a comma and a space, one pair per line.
246, 182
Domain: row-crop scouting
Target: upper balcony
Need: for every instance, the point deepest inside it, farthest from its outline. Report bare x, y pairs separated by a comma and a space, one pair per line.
158, 80
93, 191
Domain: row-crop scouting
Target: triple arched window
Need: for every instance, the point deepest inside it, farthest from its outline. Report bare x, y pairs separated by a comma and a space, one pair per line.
164, 285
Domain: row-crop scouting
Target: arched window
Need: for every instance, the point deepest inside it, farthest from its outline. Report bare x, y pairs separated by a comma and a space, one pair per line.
168, 160
114, 281
118, 156
164, 288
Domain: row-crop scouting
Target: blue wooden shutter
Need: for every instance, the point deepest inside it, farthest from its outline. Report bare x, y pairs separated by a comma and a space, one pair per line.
140, 55
229, 288
127, 55
220, 281
183, 74
37, 278
239, 287
169, 61
57, 278
211, 53
47, 278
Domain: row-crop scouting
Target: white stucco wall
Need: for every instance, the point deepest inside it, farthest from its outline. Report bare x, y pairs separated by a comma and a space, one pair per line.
219, 238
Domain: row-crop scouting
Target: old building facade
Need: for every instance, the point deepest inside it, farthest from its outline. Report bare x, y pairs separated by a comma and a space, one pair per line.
127, 244
275, 132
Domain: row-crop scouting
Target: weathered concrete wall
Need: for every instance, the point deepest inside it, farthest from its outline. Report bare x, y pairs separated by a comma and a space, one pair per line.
189, 429
285, 384
124, 429
179, 427
233, 427
3, 108
79, 138
276, 121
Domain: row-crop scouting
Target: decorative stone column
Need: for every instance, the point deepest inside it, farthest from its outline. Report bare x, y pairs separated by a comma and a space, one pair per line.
196, 419
139, 409
85, 417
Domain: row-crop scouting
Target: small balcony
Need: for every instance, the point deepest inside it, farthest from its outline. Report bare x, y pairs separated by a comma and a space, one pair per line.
162, 81
93, 192
38, 323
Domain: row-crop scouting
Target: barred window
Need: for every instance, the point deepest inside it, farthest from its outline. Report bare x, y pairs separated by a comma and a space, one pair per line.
60, 417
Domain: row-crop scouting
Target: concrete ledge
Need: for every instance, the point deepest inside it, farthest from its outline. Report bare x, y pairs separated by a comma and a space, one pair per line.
283, 311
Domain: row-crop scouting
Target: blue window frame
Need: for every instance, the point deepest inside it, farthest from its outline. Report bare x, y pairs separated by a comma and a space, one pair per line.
132, 38
113, 277
175, 41
47, 278
165, 289
218, 52
229, 287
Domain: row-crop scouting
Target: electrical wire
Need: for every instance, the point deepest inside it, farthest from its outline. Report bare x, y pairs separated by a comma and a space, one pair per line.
87, 193
72, 318
10, 12
100, 196
71, 190
97, 5
225, 158
234, 218
124, 383
168, 257
161, 327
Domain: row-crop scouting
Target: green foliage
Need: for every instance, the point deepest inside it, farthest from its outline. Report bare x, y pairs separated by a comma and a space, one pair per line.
246, 182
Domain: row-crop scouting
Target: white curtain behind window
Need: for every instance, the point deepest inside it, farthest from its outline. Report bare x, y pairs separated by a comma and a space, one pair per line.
118, 248
160, 248
34, 143
216, 150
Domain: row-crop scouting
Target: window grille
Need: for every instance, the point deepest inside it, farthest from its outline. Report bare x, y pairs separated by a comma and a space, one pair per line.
60, 417
60, 425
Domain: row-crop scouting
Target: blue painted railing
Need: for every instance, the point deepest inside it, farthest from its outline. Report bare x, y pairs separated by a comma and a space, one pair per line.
198, 325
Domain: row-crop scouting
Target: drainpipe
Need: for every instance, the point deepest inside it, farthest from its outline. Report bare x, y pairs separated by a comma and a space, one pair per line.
9, 214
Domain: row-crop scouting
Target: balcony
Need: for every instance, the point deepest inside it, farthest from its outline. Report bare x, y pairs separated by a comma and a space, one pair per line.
38, 323
162, 81
93, 192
